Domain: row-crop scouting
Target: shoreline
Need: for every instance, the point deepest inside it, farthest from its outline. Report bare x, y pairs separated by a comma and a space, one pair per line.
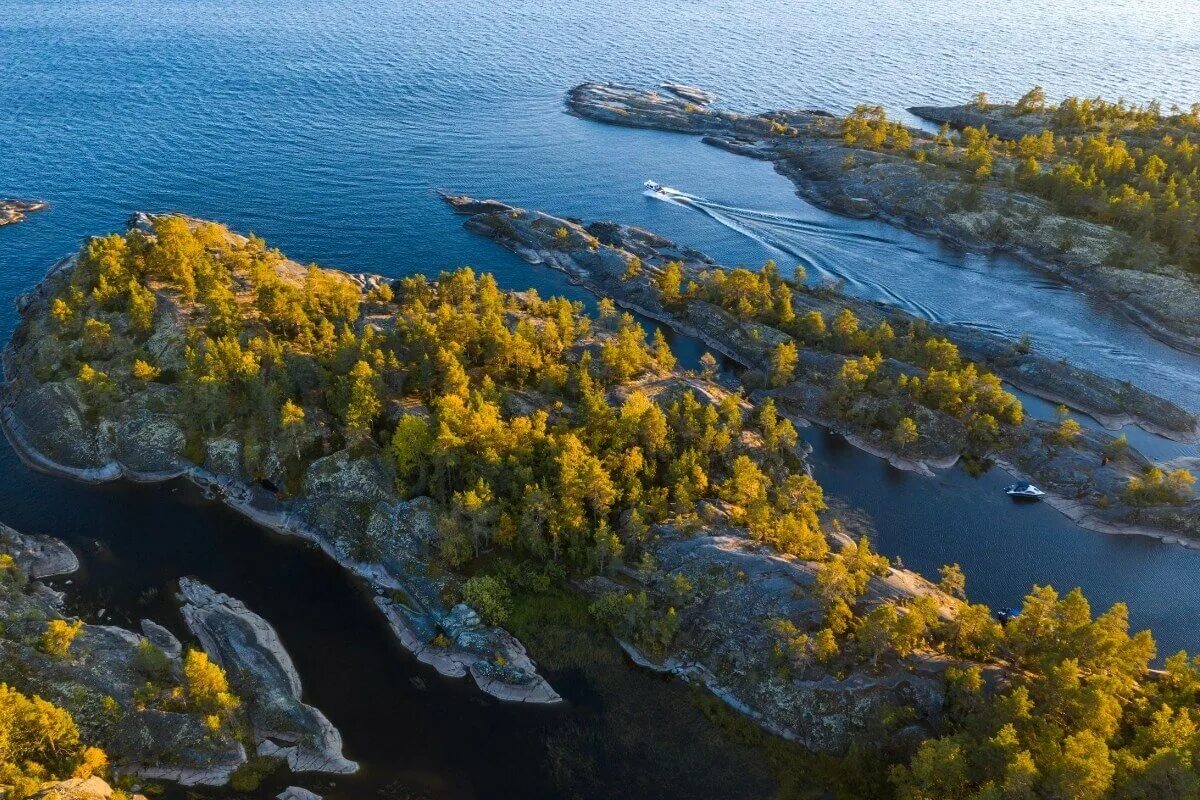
1083, 517
750, 135
280, 523
593, 278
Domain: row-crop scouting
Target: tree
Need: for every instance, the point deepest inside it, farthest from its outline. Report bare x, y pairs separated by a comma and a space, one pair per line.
746, 486
953, 582
662, 352
97, 335
783, 363
411, 444
633, 268
144, 371
206, 686
291, 426
1068, 431
363, 404
811, 326
142, 304
490, 597
97, 388
38, 742
906, 432
59, 636
708, 365
669, 282
1033, 100
776, 433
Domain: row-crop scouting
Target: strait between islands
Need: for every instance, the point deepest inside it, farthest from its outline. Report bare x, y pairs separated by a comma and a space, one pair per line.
720, 630
1087, 477
809, 148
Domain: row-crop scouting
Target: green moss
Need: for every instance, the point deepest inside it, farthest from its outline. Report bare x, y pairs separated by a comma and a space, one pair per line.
249, 776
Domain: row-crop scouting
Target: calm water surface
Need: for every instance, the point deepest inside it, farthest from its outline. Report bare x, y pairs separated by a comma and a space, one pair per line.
327, 127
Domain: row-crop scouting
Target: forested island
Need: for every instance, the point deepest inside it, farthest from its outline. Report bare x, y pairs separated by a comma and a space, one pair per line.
1103, 194
921, 394
475, 454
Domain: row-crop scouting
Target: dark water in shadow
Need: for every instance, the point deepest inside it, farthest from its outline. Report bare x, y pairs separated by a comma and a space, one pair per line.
326, 127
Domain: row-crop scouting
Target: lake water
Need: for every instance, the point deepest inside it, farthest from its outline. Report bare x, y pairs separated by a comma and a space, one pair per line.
327, 127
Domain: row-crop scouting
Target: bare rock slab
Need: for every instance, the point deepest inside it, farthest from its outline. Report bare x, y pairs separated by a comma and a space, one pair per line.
258, 665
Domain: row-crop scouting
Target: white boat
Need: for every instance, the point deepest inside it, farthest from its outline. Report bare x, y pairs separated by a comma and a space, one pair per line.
1023, 489
652, 186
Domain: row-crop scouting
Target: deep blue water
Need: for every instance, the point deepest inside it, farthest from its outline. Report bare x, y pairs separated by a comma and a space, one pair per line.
327, 127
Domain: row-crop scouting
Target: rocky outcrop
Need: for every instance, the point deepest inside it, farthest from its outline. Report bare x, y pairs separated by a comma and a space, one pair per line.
259, 667
102, 662
38, 556
726, 641
297, 793
12, 211
807, 147
92, 788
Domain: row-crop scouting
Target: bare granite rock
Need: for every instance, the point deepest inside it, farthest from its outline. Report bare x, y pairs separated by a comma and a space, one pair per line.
250, 651
12, 211
297, 793
38, 556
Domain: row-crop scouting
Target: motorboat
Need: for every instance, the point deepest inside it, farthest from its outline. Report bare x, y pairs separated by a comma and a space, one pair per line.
654, 187
1024, 489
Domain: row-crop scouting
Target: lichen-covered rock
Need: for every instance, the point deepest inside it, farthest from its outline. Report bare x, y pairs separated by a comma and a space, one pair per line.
149, 444
725, 641
297, 793
38, 556
223, 456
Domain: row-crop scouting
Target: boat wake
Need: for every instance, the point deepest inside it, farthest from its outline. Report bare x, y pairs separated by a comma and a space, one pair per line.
820, 248
995, 296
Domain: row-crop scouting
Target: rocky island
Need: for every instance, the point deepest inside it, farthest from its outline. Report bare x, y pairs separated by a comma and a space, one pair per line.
468, 450
12, 211
897, 386
139, 706
1036, 193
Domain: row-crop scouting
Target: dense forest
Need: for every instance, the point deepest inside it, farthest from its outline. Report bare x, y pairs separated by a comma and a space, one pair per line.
936, 377
1134, 167
555, 445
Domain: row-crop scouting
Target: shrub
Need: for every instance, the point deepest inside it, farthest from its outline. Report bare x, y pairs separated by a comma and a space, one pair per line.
489, 596
59, 636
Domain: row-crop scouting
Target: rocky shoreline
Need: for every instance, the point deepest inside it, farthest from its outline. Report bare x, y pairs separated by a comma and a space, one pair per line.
13, 211
152, 743
248, 648
806, 147
595, 256
44, 419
